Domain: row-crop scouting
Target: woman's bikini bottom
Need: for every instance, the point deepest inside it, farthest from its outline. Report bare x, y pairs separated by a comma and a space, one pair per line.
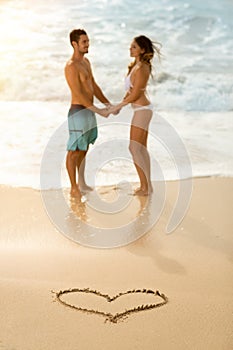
142, 108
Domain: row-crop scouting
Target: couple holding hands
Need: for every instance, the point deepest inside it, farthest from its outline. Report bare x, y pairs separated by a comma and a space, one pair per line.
81, 117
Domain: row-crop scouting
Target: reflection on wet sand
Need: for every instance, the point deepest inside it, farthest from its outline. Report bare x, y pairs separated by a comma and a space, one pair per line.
111, 216
79, 208
107, 208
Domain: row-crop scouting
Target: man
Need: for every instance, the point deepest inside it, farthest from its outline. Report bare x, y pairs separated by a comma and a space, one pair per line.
81, 117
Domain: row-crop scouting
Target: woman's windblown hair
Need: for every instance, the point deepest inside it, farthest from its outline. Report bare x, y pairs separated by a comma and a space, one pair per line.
150, 48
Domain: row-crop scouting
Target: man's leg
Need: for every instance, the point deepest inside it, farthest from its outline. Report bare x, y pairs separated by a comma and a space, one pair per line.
71, 160
81, 163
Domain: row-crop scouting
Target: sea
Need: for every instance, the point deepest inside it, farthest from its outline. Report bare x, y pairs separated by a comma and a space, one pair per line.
191, 132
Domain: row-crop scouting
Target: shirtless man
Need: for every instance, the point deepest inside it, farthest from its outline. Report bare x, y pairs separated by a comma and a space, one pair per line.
81, 116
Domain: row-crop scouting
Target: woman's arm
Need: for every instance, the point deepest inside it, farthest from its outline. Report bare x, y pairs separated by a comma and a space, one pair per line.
141, 77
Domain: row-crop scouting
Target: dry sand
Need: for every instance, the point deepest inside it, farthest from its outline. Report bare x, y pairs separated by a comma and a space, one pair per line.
192, 266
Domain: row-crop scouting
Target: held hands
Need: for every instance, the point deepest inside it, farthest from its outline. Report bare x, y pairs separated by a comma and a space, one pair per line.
110, 109
104, 112
114, 109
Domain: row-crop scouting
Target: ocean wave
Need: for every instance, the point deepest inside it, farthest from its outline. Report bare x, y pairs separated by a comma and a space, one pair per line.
195, 72
164, 76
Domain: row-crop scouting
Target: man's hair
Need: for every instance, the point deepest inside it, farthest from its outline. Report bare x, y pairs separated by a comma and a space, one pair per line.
75, 35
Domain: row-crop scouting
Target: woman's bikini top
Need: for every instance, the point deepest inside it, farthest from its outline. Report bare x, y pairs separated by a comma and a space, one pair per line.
128, 83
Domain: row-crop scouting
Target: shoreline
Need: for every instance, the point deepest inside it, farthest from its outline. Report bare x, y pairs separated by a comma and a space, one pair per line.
193, 178
205, 137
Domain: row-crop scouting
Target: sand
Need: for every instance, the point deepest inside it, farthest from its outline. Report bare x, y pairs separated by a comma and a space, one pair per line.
192, 266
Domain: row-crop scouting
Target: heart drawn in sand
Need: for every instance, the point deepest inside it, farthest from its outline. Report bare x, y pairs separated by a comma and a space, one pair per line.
108, 316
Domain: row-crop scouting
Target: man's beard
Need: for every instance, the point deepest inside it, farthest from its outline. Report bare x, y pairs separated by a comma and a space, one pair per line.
84, 51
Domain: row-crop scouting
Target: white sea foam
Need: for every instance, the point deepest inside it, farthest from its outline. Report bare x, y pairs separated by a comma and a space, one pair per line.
28, 127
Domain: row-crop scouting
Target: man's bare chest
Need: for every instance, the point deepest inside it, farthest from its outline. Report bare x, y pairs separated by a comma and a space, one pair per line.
84, 72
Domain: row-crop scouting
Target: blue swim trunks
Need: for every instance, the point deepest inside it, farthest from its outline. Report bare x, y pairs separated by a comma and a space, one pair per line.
82, 128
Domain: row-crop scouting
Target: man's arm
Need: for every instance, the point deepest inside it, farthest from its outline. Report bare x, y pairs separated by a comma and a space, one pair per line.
99, 94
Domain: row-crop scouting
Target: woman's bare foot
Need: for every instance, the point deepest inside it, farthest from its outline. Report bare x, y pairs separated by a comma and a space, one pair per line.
140, 192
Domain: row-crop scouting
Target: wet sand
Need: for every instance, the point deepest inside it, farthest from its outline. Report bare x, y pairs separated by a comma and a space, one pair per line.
192, 266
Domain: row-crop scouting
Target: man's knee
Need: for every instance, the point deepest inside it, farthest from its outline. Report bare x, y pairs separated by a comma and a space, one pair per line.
73, 154
82, 153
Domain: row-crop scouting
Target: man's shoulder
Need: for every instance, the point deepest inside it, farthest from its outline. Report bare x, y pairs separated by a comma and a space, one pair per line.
75, 64
71, 66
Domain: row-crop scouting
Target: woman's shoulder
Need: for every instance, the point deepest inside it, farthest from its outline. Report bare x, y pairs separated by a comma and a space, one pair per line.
143, 68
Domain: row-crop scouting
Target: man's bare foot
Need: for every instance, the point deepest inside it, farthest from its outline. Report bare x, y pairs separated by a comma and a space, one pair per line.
85, 188
143, 192
75, 192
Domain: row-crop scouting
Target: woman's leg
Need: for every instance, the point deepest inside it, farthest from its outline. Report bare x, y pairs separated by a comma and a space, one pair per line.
138, 149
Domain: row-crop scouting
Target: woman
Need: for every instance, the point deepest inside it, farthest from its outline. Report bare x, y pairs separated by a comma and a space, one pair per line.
142, 49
